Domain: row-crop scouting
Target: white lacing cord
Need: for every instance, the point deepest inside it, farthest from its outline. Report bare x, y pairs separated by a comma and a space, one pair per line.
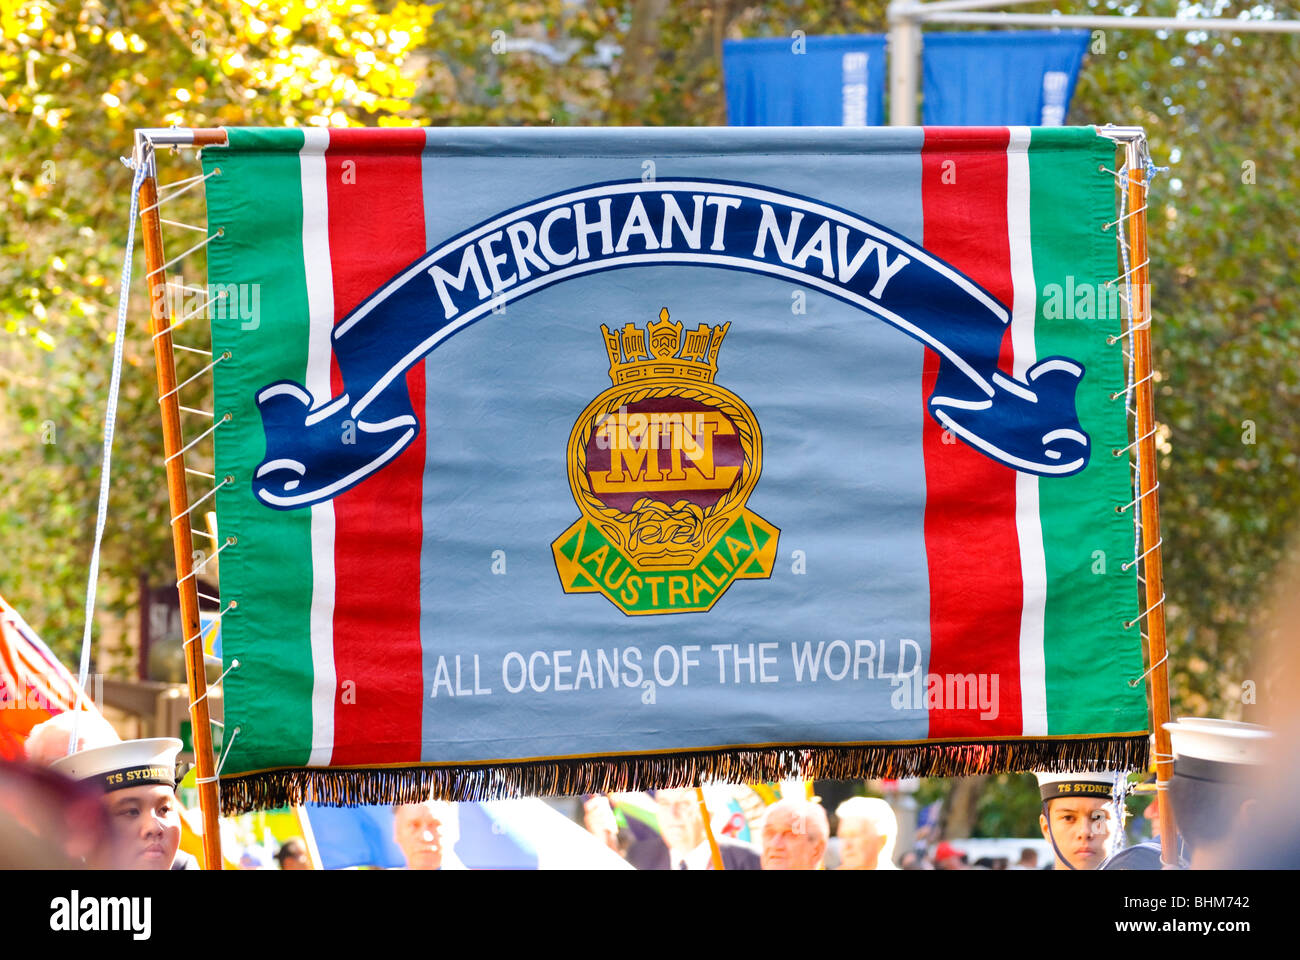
204, 695
216, 775
140, 165
1129, 624
1134, 682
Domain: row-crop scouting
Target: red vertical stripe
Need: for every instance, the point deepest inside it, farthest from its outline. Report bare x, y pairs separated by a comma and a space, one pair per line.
376, 224
972, 548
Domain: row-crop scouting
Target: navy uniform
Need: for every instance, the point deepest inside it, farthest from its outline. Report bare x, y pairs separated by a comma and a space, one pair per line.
1218, 767
1086, 848
138, 780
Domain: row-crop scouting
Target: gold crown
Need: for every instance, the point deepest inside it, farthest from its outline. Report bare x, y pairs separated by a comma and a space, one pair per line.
669, 354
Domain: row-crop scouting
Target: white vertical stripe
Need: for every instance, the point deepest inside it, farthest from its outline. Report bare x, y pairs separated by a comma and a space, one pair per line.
320, 307
1029, 528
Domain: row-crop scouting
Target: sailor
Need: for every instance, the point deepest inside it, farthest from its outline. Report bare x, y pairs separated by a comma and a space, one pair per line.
1145, 854
138, 778
1218, 766
1078, 817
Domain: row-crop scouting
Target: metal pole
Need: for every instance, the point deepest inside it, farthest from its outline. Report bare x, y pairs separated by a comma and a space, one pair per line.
178, 497
1104, 23
1152, 565
904, 63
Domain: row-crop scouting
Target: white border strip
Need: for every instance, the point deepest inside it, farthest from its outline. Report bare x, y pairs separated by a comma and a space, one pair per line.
1029, 525
320, 306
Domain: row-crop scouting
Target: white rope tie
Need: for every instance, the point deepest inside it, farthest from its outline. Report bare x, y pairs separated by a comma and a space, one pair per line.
1126, 566
1145, 612
183, 226
1125, 276
140, 165
196, 636
189, 184
1133, 328
200, 473
225, 418
193, 506
1124, 450
222, 763
1107, 226
174, 184
185, 383
1124, 509
203, 696
202, 353
1129, 389
204, 596
230, 542
196, 410
193, 313
198, 246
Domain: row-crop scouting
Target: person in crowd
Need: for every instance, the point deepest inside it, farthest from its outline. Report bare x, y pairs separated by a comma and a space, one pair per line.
795, 833
138, 782
1077, 817
867, 829
948, 857
914, 860
681, 823
598, 817
426, 833
1216, 784
292, 855
1028, 860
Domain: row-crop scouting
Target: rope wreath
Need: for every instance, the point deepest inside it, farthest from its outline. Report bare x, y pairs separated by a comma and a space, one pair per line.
652, 521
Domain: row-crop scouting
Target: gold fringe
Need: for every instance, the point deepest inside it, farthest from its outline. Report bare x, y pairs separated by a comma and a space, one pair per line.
543, 778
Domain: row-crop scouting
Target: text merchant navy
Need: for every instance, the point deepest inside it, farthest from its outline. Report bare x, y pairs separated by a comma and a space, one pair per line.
634, 224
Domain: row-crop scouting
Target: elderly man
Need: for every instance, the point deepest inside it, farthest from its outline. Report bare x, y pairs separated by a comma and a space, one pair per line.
425, 833
1076, 818
681, 824
867, 830
138, 778
794, 835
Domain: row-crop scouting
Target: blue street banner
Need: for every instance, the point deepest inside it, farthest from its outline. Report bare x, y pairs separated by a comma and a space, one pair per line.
804, 81
995, 78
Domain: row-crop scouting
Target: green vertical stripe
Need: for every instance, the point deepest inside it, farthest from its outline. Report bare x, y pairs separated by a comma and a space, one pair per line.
257, 200
1089, 656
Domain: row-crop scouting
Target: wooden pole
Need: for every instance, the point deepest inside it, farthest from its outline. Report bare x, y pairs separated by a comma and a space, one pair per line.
178, 496
708, 830
1152, 567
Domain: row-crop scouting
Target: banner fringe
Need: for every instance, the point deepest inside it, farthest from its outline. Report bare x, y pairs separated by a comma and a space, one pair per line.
543, 778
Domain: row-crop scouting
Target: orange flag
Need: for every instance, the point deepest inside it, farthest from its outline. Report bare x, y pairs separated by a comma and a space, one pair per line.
34, 686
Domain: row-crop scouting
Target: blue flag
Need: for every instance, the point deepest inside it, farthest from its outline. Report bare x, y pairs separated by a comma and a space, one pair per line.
1018, 77
805, 81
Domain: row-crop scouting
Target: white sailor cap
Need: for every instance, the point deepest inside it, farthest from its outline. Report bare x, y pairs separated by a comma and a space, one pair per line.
131, 763
1222, 751
1076, 783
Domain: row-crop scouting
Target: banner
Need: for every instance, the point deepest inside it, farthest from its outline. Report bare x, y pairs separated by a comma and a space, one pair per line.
564, 461
1001, 77
804, 81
